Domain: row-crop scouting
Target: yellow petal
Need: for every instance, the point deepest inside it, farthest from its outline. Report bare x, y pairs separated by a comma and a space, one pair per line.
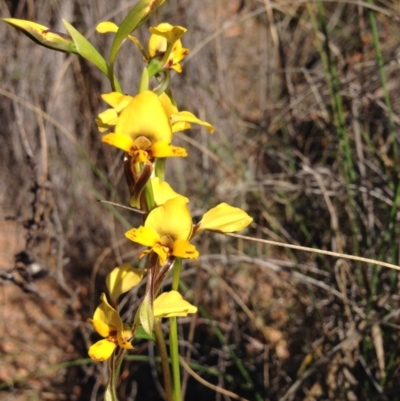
181, 126
157, 45
184, 249
120, 141
101, 350
170, 304
101, 327
163, 149
167, 31
143, 235
178, 68
167, 103
187, 117
162, 191
122, 279
171, 219
224, 218
117, 100
106, 26
124, 339
145, 116
178, 53
108, 315
162, 253
107, 119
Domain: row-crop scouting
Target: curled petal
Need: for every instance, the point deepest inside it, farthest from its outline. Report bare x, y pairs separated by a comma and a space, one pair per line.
170, 304
143, 235
162, 253
101, 350
224, 218
187, 117
107, 119
117, 100
120, 141
181, 126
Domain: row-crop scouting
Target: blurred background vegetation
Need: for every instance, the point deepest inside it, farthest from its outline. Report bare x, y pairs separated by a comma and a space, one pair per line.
305, 100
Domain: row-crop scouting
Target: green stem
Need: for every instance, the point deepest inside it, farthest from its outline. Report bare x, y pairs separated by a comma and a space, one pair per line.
173, 338
144, 81
163, 82
164, 359
176, 275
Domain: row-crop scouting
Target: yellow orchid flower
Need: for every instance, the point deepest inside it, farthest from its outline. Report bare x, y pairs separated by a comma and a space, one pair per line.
168, 228
143, 130
170, 304
122, 279
166, 231
181, 120
107, 322
165, 44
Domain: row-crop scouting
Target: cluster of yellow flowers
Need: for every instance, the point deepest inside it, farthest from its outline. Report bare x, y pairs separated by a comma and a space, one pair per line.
143, 127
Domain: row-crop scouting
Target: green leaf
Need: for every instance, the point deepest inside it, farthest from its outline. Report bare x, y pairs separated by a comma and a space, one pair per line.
86, 50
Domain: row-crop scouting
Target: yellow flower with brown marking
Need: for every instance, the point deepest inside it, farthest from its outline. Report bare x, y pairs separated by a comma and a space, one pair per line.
165, 45
108, 323
168, 228
143, 130
167, 231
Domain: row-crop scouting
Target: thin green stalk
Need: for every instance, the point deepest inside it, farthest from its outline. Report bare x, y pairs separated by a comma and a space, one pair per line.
337, 105
382, 75
173, 338
339, 120
174, 352
395, 179
164, 359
